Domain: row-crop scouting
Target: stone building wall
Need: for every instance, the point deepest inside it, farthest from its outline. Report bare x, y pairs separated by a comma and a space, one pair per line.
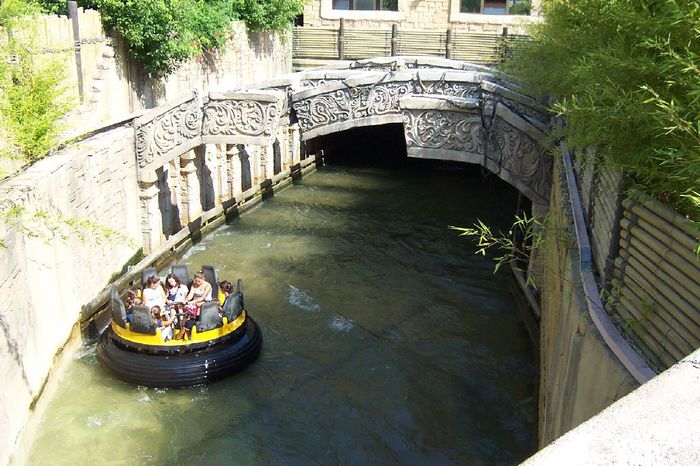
416, 14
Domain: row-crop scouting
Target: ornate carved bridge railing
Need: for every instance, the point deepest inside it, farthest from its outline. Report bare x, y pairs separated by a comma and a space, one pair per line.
448, 113
450, 110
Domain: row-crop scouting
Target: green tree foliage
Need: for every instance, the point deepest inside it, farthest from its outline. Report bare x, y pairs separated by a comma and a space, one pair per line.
32, 94
60, 7
161, 34
267, 14
625, 74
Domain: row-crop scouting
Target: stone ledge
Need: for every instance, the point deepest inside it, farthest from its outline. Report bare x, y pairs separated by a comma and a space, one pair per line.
658, 423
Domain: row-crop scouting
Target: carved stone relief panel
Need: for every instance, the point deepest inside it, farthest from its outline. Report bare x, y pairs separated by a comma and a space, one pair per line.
379, 99
453, 89
157, 136
350, 103
528, 111
240, 118
323, 109
446, 130
521, 156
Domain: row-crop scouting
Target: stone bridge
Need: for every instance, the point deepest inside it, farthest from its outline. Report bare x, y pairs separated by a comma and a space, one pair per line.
449, 110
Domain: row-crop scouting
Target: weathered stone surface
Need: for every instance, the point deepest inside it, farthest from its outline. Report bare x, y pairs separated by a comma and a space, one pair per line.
658, 423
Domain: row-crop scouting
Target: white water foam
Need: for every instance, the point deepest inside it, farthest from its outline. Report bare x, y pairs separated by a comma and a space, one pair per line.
143, 398
86, 351
341, 324
303, 301
199, 247
99, 421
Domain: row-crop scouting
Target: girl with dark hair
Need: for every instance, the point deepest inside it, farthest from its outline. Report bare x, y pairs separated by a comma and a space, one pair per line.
175, 291
153, 293
225, 289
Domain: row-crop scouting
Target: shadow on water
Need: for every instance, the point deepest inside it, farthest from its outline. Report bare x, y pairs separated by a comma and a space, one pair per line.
386, 339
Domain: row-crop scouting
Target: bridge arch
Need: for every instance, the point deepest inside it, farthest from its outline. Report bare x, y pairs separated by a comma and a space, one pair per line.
449, 110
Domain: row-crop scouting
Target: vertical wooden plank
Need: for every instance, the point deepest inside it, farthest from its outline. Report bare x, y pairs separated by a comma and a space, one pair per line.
448, 44
75, 22
341, 40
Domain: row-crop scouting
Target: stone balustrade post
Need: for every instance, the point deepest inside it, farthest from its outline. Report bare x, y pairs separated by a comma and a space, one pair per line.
222, 185
210, 175
294, 143
254, 161
233, 163
151, 221
191, 200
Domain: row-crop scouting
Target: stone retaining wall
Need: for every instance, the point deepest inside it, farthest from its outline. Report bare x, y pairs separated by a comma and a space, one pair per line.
47, 279
579, 374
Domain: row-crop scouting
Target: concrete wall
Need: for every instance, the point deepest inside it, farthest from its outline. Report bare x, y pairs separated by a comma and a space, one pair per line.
579, 375
658, 423
47, 279
415, 14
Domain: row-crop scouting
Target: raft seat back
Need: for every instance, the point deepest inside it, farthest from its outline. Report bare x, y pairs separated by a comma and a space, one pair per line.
117, 307
209, 317
147, 272
210, 276
180, 271
141, 321
233, 306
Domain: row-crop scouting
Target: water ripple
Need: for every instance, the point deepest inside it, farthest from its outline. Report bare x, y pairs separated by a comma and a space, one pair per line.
341, 324
301, 300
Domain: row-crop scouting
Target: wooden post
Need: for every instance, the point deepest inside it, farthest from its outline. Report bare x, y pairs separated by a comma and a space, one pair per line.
448, 44
394, 39
73, 14
505, 47
341, 40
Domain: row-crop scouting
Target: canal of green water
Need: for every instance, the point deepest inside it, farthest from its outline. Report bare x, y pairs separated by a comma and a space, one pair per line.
387, 340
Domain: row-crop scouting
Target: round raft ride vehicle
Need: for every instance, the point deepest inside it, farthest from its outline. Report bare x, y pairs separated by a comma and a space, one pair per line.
220, 344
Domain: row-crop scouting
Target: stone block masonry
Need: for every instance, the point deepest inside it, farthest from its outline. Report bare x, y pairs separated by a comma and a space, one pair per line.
47, 278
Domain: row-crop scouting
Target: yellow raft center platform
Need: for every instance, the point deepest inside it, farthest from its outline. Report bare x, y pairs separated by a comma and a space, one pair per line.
194, 338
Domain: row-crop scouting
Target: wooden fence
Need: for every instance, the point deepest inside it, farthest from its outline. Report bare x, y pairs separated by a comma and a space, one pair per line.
77, 41
645, 257
351, 44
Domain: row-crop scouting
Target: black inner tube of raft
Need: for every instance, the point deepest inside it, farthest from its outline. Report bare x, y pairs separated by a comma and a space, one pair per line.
181, 369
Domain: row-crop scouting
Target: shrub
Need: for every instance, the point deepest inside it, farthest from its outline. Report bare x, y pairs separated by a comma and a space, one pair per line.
267, 15
161, 34
31, 87
626, 76
521, 8
60, 7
